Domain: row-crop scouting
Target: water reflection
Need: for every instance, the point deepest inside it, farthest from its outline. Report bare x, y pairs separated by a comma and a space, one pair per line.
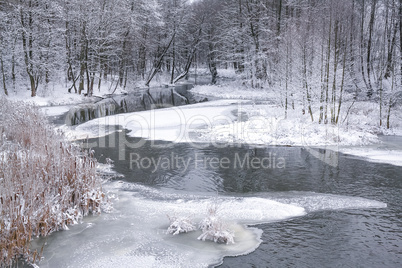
153, 98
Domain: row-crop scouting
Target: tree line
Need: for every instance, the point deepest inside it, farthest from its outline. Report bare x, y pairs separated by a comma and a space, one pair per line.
312, 50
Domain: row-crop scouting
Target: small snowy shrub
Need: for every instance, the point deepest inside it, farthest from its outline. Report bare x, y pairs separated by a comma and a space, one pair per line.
46, 182
214, 229
180, 225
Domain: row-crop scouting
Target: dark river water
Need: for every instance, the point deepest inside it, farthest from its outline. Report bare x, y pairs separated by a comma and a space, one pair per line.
365, 237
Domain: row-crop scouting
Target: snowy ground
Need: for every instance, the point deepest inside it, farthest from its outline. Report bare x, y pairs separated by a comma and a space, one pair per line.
56, 94
222, 73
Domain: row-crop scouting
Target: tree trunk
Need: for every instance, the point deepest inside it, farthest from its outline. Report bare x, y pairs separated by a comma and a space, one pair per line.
158, 64
327, 71
390, 52
278, 26
323, 78
305, 83
122, 65
369, 43
400, 36
190, 56
173, 61
186, 67
13, 76
362, 46
239, 65
389, 113
342, 86
3, 75
212, 59
82, 60
27, 44
336, 58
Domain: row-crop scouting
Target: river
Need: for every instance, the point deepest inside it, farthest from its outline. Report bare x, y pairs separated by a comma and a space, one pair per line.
286, 207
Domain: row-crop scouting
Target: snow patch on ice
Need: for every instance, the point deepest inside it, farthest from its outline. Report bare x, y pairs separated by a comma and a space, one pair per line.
313, 202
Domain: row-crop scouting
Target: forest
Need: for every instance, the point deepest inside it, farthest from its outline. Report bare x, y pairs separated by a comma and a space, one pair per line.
311, 51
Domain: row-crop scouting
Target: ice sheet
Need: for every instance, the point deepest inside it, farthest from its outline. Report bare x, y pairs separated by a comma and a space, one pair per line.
134, 234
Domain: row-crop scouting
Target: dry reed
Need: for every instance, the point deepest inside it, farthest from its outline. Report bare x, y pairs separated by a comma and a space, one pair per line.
46, 182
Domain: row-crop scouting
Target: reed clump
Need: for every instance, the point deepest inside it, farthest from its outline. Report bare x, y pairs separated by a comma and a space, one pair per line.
46, 182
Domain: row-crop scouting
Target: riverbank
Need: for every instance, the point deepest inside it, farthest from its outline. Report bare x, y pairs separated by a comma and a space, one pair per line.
46, 182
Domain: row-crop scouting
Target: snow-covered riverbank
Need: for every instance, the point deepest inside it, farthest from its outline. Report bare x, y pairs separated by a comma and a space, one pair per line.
266, 124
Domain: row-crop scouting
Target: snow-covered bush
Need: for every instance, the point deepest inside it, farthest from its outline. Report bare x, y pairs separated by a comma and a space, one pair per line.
46, 182
180, 225
214, 229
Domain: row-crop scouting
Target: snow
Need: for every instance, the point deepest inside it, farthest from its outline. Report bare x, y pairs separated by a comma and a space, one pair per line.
51, 98
222, 73
393, 157
232, 91
57, 95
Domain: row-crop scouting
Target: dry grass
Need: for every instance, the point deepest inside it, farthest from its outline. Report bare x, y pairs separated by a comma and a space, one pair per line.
46, 183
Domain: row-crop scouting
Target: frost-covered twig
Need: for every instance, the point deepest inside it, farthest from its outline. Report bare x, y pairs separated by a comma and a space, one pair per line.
214, 229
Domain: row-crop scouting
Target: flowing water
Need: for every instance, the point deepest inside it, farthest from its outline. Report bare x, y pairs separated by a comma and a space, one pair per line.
286, 206
304, 213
